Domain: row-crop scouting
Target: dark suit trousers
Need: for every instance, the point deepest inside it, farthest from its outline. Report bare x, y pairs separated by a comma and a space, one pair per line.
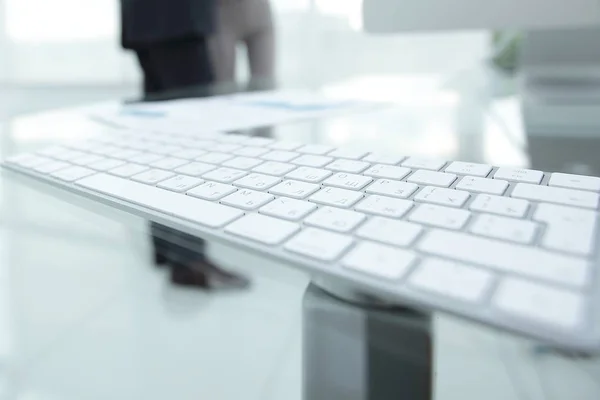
167, 67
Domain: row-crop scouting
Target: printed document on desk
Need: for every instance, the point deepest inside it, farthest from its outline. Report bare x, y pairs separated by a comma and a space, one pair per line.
232, 112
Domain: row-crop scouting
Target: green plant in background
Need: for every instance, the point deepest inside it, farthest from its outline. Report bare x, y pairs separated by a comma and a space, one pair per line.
507, 46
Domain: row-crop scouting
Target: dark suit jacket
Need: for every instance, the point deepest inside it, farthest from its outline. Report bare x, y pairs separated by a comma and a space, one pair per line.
148, 22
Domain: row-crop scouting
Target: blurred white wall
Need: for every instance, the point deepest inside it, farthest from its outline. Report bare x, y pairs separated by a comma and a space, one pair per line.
76, 42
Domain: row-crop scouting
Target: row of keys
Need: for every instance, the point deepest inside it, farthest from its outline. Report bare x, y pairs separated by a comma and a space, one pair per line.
379, 205
301, 188
577, 239
454, 279
224, 143
245, 160
340, 198
457, 279
328, 246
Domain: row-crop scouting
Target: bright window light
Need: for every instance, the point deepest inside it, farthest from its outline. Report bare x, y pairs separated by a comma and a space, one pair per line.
47, 21
351, 10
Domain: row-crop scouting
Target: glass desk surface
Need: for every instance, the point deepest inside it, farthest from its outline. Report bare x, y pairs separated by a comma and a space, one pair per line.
85, 315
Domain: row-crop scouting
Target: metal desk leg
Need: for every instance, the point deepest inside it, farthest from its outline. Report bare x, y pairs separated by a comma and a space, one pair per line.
360, 352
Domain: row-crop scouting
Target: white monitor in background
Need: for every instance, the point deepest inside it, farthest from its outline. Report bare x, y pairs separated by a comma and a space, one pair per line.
392, 16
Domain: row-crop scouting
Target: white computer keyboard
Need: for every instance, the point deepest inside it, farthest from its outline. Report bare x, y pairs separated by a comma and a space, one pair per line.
509, 247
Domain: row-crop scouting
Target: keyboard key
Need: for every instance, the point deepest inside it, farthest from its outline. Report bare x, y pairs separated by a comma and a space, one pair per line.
312, 161
379, 261
290, 209
280, 155
69, 156
28, 160
258, 141
439, 216
540, 303
285, 145
568, 229
387, 171
336, 197
466, 168
195, 169
145, 158
247, 199
294, 189
424, 163
84, 145
153, 176
189, 154
107, 150
263, 229
231, 138
126, 154
214, 158
351, 154
482, 185
506, 257
202, 212
451, 279
510, 229
519, 175
57, 150
242, 163
138, 145
127, 170
257, 181
444, 197
378, 158
52, 166
224, 175
570, 197
350, 166
385, 206
319, 244
180, 183
169, 163
315, 149
165, 149
389, 231
575, 182
211, 191
308, 174
87, 159
398, 189
348, 181
72, 174
250, 151
225, 147
106, 164
423, 177
335, 219
274, 168
202, 144
500, 205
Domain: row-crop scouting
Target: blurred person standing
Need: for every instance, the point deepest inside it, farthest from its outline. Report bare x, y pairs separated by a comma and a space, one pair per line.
247, 22
170, 40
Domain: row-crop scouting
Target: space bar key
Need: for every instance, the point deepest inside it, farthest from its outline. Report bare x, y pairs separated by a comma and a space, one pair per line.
507, 257
179, 205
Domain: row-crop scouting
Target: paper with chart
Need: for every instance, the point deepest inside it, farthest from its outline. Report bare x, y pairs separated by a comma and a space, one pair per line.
232, 112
